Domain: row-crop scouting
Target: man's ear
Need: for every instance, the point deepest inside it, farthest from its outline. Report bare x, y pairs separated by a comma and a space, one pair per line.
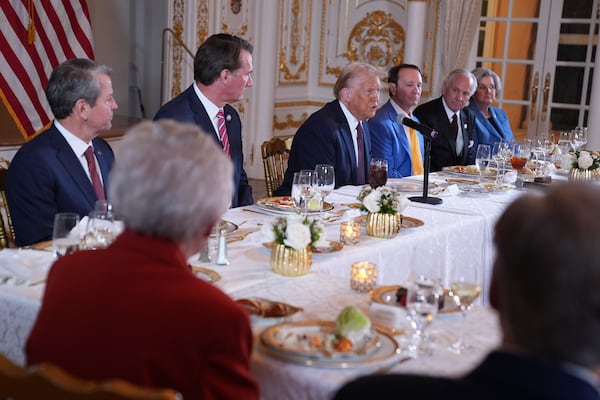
494, 295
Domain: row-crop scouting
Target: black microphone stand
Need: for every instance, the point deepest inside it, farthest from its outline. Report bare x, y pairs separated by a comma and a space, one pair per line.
427, 168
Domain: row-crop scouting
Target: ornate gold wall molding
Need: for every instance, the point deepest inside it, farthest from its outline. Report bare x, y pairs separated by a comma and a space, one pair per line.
294, 41
289, 122
202, 15
235, 13
178, 8
378, 40
292, 108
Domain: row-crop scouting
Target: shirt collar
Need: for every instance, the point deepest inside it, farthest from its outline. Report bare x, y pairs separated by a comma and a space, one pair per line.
449, 112
77, 145
209, 106
352, 121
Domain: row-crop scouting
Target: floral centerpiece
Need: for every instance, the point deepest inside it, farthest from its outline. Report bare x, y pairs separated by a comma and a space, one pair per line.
293, 238
585, 165
384, 206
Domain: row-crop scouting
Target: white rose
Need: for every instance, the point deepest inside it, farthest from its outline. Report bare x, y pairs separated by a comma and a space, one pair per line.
585, 160
403, 202
297, 235
266, 231
371, 202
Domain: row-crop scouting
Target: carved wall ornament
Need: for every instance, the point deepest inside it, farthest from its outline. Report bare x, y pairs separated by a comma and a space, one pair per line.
378, 40
236, 6
294, 42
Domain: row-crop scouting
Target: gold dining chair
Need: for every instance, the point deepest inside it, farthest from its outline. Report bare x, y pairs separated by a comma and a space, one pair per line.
46, 381
274, 156
7, 231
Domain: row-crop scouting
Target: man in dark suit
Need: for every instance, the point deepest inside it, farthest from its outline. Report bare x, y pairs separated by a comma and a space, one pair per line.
50, 173
135, 310
456, 143
545, 286
222, 72
337, 134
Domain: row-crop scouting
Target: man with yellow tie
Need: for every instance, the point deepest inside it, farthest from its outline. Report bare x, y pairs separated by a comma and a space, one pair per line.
400, 145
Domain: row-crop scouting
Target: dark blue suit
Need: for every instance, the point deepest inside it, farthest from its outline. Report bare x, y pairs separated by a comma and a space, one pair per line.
187, 107
326, 138
389, 141
486, 131
501, 376
45, 177
443, 148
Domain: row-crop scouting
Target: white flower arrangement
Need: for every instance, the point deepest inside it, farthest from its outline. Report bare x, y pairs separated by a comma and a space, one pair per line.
294, 231
383, 200
586, 160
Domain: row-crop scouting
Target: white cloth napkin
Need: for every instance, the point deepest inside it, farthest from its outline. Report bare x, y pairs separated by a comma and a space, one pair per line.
24, 267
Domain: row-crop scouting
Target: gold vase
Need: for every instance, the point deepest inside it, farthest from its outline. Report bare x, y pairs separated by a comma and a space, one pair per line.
383, 225
581, 175
289, 261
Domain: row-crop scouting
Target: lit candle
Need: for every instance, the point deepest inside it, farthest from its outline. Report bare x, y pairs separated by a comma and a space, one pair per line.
350, 232
363, 276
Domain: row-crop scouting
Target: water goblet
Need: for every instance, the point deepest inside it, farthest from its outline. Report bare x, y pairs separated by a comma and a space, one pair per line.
579, 137
324, 180
483, 158
421, 308
521, 154
65, 239
299, 181
463, 291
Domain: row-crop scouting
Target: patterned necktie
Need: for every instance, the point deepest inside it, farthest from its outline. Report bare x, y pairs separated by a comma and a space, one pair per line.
415, 153
223, 132
91, 162
360, 165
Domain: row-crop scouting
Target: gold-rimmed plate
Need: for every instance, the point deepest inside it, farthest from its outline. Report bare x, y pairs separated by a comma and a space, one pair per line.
206, 274
387, 295
332, 247
379, 350
285, 205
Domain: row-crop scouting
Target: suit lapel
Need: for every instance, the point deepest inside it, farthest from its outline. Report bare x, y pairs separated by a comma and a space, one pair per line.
201, 117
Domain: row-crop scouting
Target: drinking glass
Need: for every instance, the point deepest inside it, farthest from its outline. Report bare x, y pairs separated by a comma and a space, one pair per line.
501, 153
541, 146
101, 230
579, 137
521, 154
483, 158
463, 290
65, 239
324, 180
378, 172
299, 181
421, 308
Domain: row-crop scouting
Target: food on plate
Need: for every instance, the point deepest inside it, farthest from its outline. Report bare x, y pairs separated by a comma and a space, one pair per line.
471, 169
267, 308
284, 201
527, 171
352, 326
543, 179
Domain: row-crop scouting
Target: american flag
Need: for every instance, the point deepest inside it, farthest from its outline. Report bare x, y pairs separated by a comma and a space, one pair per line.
36, 36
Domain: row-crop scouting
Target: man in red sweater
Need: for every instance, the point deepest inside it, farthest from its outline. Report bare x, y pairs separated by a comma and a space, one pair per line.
135, 310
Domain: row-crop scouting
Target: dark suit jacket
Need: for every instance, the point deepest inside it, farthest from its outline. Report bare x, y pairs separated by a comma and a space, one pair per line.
45, 177
326, 138
390, 141
501, 376
443, 148
135, 311
187, 107
486, 131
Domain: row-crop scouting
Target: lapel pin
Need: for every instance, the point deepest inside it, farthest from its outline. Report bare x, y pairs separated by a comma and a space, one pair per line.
228, 117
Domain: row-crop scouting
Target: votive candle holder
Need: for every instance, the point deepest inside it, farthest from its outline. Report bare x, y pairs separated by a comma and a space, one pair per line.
350, 232
363, 276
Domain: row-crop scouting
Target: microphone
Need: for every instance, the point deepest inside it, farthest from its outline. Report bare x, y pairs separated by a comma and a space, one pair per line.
427, 132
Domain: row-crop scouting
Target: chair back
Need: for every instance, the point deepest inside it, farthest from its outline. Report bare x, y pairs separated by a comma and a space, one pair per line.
46, 381
274, 156
7, 231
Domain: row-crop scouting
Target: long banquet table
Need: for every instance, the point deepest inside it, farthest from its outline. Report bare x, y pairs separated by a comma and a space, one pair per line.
455, 235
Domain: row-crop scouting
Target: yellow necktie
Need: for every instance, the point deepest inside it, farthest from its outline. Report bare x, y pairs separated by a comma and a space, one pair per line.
415, 151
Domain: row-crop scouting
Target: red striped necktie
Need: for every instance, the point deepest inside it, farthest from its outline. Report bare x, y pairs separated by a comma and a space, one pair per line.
223, 132
96, 182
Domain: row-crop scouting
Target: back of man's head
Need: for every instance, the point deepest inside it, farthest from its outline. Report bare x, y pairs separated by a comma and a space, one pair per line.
546, 280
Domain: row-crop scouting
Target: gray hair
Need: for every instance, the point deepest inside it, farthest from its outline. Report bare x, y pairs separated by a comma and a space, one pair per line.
352, 71
458, 72
481, 73
546, 279
170, 180
73, 80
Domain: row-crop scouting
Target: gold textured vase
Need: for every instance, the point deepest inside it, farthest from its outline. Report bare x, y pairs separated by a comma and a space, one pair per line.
289, 261
581, 175
383, 225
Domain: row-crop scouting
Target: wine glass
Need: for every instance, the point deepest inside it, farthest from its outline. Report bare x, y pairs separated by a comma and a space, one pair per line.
101, 230
521, 154
378, 172
422, 304
501, 152
483, 158
65, 239
541, 146
325, 180
579, 137
463, 290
